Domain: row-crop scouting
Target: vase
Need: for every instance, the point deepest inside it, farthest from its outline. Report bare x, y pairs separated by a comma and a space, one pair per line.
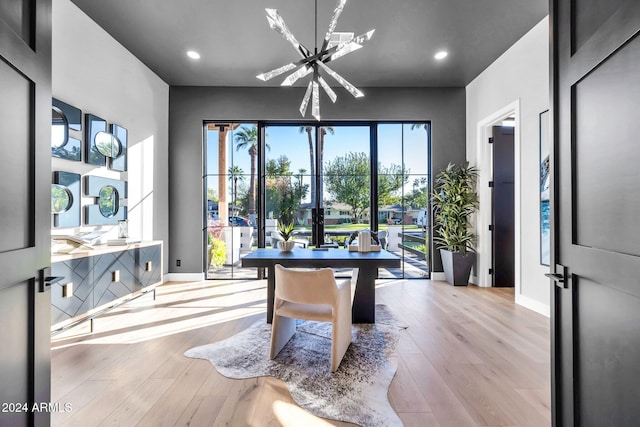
286, 246
457, 266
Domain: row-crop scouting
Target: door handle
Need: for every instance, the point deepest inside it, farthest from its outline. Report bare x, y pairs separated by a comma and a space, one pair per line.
46, 282
559, 279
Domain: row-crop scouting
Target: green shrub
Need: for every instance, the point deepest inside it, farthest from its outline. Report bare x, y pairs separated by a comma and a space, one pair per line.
217, 252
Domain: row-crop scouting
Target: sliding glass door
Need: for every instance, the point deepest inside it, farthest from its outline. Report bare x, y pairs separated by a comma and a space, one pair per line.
328, 179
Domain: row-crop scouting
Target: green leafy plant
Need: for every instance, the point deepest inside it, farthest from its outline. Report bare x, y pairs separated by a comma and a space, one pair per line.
454, 200
217, 252
286, 230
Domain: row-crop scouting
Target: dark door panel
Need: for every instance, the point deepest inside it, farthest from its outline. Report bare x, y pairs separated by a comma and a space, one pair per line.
14, 326
595, 203
25, 303
503, 221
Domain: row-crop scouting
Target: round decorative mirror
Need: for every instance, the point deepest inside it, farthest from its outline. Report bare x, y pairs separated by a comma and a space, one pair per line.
108, 201
59, 128
61, 198
108, 145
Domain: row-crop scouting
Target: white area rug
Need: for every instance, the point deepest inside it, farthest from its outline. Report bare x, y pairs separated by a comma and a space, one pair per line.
356, 392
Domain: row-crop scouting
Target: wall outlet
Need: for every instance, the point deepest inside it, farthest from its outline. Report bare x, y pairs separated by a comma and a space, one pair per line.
177, 263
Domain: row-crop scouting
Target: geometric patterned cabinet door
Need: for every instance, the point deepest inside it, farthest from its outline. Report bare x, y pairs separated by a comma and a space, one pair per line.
148, 261
78, 272
113, 277
101, 277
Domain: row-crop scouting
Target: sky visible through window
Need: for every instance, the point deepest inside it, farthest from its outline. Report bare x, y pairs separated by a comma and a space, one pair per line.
397, 143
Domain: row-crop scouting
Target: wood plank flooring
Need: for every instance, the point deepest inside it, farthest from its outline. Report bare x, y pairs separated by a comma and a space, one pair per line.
470, 357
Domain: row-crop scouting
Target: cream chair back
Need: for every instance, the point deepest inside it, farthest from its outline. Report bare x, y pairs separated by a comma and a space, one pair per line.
306, 287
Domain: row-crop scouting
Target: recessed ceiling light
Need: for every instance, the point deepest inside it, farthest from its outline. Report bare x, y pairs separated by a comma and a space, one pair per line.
193, 54
441, 54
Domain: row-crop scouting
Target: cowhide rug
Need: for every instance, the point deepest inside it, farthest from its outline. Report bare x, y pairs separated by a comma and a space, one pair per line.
356, 392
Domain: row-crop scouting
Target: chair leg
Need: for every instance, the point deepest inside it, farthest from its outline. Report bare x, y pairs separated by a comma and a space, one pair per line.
340, 340
341, 328
282, 329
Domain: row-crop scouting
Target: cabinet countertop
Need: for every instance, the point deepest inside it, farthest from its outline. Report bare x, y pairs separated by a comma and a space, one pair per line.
101, 249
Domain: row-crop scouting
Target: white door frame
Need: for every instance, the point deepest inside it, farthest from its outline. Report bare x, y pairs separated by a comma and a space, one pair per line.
483, 218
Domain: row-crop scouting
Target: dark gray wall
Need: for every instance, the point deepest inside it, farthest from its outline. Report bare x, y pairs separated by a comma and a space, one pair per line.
190, 106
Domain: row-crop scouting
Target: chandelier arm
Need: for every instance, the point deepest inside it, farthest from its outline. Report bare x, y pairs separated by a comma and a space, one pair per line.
330, 92
296, 75
346, 48
277, 71
344, 51
305, 100
334, 21
357, 93
277, 24
315, 100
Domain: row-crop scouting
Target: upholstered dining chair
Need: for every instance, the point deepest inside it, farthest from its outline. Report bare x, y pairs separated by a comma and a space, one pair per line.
311, 295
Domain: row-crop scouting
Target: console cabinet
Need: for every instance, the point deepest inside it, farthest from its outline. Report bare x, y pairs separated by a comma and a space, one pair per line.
93, 280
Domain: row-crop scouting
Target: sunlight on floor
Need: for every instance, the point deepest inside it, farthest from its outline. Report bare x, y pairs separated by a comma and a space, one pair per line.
291, 415
207, 303
201, 304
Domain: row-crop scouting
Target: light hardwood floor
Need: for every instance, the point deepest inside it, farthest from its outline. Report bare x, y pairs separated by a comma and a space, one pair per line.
470, 357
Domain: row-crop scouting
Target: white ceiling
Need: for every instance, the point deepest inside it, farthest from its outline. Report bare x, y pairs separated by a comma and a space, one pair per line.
236, 43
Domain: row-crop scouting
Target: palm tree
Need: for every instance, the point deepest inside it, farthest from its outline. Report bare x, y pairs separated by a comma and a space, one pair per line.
235, 174
300, 174
323, 131
247, 138
312, 163
420, 125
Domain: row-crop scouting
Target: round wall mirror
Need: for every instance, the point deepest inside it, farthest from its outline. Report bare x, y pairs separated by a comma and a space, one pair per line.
59, 128
61, 199
108, 145
108, 201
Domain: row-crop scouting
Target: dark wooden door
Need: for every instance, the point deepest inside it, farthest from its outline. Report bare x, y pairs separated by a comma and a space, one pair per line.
25, 206
503, 219
595, 302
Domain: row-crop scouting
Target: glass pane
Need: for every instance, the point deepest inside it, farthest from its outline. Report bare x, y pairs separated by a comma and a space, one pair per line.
403, 195
231, 185
290, 179
244, 165
415, 147
345, 183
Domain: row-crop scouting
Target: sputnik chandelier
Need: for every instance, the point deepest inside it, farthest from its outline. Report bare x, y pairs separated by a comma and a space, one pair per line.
334, 46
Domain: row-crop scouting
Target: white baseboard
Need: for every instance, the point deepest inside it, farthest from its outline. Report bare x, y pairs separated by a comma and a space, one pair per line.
184, 277
534, 305
438, 275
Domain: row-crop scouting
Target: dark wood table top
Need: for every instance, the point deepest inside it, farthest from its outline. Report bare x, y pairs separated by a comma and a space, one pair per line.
266, 257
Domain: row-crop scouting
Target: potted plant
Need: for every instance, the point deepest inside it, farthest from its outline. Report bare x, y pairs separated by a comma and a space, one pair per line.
286, 232
454, 200
216, 248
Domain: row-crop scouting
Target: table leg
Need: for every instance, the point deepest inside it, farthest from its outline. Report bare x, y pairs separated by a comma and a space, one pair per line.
271, 290
364, 300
